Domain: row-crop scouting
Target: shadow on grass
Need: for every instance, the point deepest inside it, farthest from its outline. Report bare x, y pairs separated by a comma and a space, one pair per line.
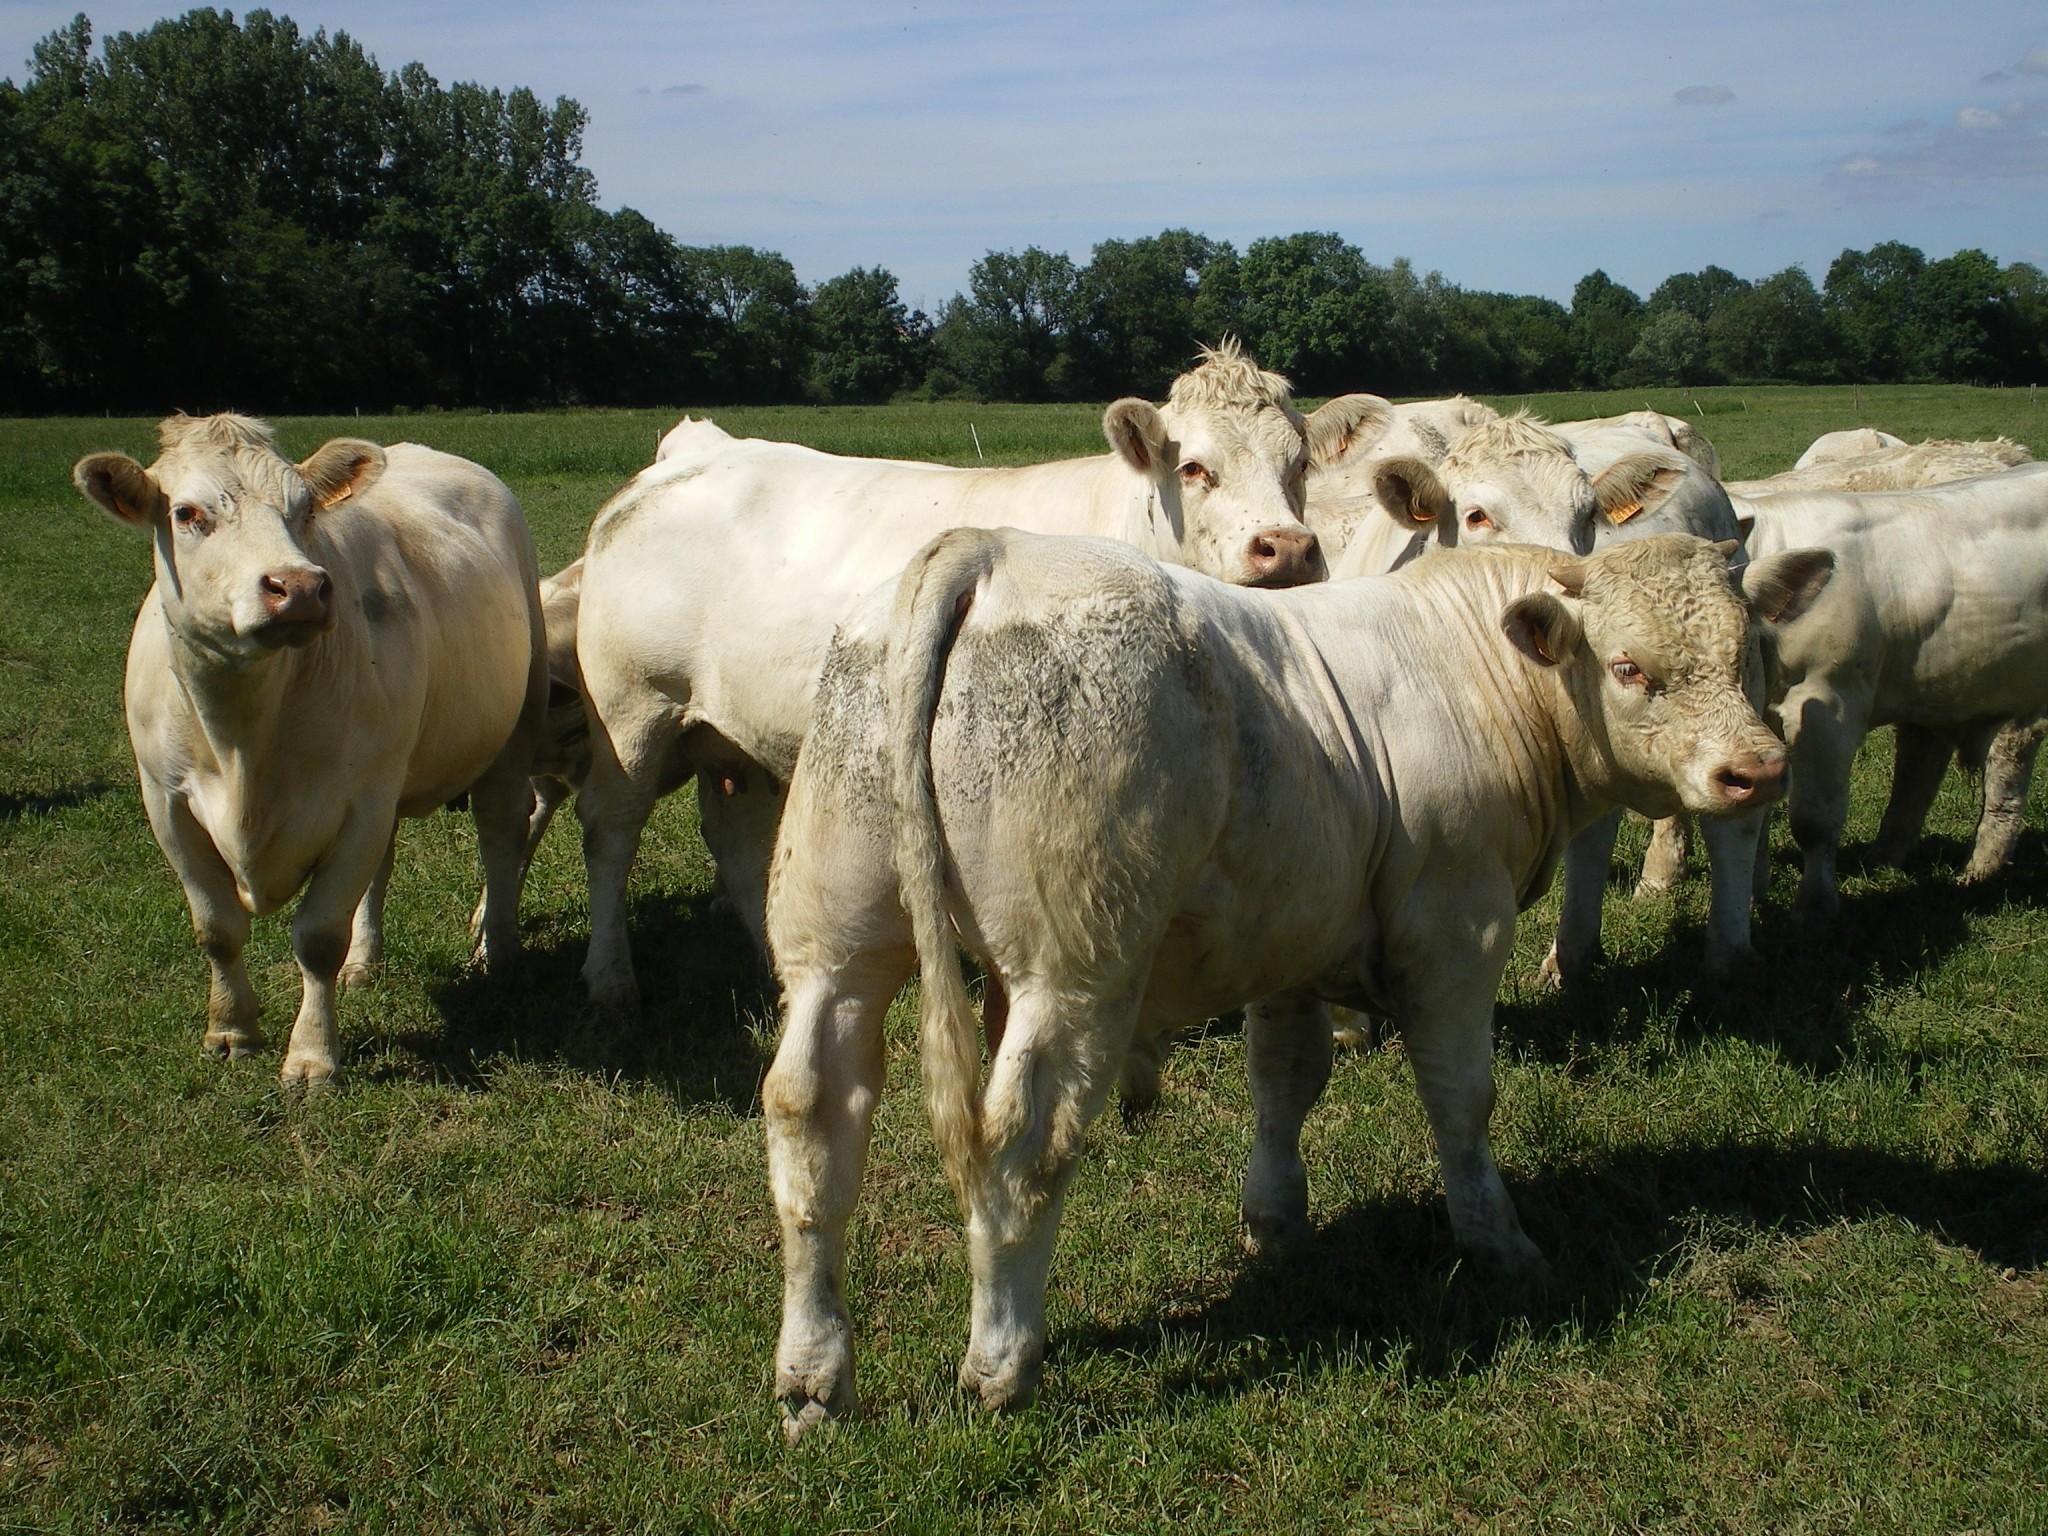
1383, 1281
20, 807
706, 1022
1809, 984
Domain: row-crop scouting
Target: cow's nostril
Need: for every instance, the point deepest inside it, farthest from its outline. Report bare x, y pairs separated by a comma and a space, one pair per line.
1264, 550
273, 585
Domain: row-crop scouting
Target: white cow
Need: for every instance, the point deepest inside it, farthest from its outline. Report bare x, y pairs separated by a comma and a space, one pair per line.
1937, 622
1850, 443
1672, 431
1341, 499
329, 646
713, 581
1574, 487
1899, 467
1141, 798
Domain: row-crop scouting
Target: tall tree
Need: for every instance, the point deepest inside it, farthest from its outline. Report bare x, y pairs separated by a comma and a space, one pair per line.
1135, 321
1313, 308
1007, 337
868, 345
1606, 320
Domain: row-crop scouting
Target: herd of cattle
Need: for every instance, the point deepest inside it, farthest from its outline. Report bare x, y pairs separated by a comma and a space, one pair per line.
1040, 714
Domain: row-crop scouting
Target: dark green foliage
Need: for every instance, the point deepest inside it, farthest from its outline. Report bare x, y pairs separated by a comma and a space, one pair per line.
218, 213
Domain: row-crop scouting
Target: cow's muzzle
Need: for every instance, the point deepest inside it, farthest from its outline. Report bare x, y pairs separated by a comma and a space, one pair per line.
1284, 557
298, 604
1750, 780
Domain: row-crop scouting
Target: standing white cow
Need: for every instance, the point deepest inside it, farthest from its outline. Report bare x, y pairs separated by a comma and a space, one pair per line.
329, 646
1937, 622
1574, 487
1141, 798
713, 581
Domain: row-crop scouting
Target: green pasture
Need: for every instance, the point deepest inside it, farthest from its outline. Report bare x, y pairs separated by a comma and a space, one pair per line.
520, 1274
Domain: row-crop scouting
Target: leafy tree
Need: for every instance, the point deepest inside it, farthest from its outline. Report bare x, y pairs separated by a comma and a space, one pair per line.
1778, 329
1870, 296
1136, 312
1313, 307
1007, 338
1699, 293
1671, 349
868, 345
1606, 320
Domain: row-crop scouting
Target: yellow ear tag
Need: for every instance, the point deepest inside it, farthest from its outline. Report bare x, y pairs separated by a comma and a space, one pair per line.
338, 497
1621, 514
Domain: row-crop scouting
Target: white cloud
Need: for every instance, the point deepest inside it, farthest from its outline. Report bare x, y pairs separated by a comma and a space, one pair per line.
1977, 117
2034, 61
1703, 95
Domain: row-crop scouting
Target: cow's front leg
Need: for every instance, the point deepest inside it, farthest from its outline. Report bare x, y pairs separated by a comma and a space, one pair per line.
1664, 860
1287, 1046
1447, 1024
1576, 949
819, 1101
366, 936
1047, 1084
2008, 773
220, 923
1732, 848
1919, 760
320, 941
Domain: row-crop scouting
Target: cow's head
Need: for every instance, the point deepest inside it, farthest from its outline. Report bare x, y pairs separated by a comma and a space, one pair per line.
1658, 647
1514, 481
230, 515
1228, 458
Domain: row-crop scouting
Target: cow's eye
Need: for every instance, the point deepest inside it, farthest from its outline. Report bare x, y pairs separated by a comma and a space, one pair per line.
1193, 470
185, 515
1476, 518
1629, 675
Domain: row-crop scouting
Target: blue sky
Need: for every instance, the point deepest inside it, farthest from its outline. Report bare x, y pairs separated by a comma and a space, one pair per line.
1511, 146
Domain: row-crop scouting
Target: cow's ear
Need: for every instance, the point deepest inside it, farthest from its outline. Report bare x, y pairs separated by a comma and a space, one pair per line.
1541, 628
1639, 483
120, 486
1347, 424
1744, 527
1782, 587
1137, 432
1410, 492
340, 468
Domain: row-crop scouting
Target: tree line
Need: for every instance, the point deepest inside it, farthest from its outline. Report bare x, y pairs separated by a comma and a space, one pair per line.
212, 212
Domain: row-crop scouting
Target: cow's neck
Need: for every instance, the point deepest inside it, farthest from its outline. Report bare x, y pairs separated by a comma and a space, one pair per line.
238, 703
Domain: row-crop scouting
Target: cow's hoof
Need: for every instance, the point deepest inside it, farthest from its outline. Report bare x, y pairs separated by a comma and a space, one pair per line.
1002, 1387
1517, 1260
803, 1415
1270, 1237
359, 973
308, 1071
1652, 887
231, 1044
1976, 874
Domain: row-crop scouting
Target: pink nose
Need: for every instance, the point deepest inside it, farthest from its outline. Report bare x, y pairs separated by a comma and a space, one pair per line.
1750, 779
1284, 557
300, 596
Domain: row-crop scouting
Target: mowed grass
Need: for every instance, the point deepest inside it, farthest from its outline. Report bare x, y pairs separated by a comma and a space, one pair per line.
521, 1274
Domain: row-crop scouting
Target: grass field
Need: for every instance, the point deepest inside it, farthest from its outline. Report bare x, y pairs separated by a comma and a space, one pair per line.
518, 1275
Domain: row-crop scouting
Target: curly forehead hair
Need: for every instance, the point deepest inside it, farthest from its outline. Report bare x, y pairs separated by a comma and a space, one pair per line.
1682, 581
1226, 379
225, 430
1519, 435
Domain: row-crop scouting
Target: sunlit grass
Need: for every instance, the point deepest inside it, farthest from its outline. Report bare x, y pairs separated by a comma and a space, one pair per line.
521, 1273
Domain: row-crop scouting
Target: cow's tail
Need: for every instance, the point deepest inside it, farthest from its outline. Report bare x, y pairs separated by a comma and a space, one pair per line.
932, 600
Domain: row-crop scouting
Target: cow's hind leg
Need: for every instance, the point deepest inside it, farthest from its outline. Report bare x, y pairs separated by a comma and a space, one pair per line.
1919, 759
614, 807
502, 802
738, 810
366, 936
2008, 773
819, 1101
1047, 1084
1287, 1043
